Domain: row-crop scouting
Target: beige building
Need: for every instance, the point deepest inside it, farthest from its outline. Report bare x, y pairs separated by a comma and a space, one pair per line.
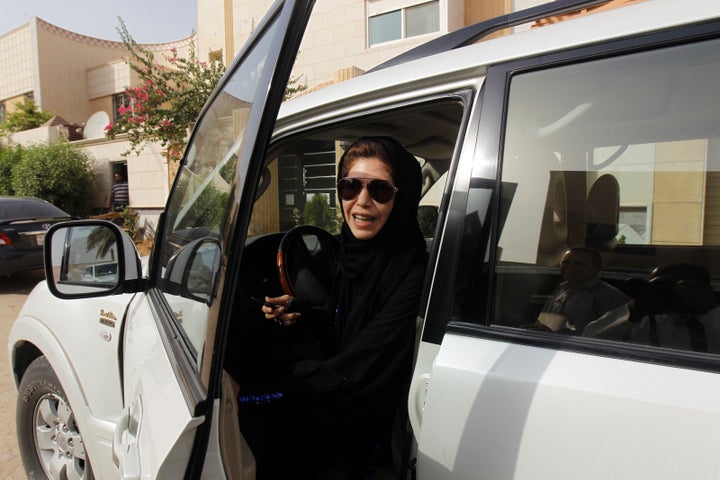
346, 37
82, 80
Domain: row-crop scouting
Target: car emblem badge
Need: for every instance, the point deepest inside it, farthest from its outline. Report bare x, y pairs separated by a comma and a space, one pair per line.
107, 318
45, 226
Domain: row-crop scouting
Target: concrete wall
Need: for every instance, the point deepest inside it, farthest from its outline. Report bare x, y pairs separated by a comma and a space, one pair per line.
40, 135
17, 60
211, 29
147, 179
147, 172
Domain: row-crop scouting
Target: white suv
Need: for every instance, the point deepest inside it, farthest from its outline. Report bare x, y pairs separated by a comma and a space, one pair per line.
602, 132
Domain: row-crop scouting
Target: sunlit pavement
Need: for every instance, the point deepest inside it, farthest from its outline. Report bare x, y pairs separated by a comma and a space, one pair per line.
13, 292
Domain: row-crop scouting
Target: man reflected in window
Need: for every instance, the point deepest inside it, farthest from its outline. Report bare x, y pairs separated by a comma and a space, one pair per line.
581, 297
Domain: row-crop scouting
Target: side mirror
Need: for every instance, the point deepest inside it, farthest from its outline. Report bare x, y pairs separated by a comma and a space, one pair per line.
192, 271
90, 258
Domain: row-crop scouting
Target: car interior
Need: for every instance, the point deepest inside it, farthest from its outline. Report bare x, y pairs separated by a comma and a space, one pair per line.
298, 182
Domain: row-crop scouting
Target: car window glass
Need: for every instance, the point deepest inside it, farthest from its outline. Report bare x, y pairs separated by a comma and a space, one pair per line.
199, 206
617, 160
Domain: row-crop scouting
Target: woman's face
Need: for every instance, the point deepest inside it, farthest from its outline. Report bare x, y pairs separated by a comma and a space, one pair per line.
365, 216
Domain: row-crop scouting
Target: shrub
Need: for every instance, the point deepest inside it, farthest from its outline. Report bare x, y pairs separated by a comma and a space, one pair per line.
26, 116
9, 157
59, 173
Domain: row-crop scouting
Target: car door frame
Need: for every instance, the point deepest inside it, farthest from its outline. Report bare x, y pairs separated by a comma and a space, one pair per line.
202, 389
294, 18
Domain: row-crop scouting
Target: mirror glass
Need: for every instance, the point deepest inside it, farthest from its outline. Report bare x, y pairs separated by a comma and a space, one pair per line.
201, 276
84, 259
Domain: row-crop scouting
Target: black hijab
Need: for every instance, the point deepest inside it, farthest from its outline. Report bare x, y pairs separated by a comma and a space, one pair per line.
401, 229
388, 255
371, 351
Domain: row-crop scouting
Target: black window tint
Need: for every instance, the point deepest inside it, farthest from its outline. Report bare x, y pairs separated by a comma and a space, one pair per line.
617, 159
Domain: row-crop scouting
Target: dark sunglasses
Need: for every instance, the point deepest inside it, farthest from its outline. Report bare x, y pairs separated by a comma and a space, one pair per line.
381, 191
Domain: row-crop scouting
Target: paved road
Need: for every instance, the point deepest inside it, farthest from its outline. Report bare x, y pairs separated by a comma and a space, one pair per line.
12, 296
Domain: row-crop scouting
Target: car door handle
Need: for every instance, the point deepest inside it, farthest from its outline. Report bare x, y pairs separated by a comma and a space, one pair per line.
416, 400
125, 454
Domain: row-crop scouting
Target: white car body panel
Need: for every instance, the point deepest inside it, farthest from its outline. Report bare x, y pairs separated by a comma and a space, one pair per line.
152, 391
495, 405
68, 333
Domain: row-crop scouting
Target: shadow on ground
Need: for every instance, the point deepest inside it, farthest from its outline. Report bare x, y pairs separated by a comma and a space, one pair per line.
21, 283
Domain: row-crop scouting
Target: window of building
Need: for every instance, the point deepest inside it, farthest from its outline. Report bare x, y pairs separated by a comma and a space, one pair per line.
633, 225
120, 100
390, 20
2, 112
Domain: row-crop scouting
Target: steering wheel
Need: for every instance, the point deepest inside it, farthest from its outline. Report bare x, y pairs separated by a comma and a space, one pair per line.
306, 262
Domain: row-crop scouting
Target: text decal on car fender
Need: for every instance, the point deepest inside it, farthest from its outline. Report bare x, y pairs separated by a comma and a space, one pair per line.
107, 318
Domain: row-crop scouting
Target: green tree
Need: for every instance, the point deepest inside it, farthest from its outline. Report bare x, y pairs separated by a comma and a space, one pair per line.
9, 157
169, 99
100, 239
59, 173
317, 212
26, 116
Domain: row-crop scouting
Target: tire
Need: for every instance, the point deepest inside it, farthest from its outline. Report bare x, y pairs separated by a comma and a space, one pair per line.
50, 442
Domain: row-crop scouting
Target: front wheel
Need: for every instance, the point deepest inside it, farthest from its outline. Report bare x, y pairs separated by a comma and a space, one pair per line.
50, 442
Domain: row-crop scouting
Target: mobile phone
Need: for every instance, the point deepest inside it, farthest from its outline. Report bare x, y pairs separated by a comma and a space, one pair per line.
263, 302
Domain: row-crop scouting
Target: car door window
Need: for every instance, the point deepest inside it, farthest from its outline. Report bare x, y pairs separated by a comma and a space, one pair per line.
608, 166
201, 201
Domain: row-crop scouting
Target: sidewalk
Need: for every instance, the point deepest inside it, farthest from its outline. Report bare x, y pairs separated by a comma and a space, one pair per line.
13, 292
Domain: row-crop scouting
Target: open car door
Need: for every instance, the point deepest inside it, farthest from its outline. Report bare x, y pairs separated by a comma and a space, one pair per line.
173, 337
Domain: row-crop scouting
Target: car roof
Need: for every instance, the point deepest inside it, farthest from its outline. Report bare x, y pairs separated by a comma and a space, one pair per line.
473, 60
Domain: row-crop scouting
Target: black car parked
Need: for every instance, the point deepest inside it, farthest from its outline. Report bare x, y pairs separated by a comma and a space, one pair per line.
23, 223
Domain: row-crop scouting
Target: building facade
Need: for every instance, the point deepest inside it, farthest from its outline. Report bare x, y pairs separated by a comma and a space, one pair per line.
82, 80
346, 37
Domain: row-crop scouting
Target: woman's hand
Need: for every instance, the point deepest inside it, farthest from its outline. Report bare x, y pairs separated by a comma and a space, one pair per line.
279, 313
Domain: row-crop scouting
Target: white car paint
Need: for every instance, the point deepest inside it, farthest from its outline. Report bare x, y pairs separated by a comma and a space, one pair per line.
69, 332
534, 399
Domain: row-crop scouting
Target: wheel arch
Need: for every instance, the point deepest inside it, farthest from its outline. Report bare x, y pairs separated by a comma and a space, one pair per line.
29, 339
23, 355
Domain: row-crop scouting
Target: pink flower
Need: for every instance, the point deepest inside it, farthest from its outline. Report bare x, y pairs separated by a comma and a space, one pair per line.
109, 126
